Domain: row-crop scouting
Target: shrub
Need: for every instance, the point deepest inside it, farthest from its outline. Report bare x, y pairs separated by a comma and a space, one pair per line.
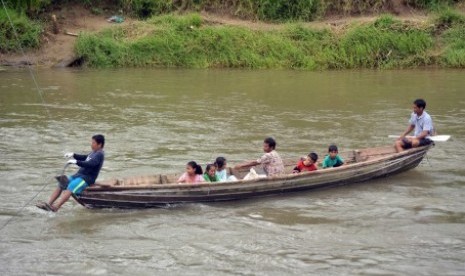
147, 8
283, 10
169, 41
449, 17
28, 32
354, 6
430, 4
29, 6
384, 43
454, 54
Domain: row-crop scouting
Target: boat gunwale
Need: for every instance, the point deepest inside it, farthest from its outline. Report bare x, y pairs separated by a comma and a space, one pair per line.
240, 183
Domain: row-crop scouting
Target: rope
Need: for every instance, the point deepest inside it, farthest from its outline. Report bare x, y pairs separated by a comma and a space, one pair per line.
24, 55
428, 162
39, 91
29, 201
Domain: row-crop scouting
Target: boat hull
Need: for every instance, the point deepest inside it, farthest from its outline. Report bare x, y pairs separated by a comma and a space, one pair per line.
172, 194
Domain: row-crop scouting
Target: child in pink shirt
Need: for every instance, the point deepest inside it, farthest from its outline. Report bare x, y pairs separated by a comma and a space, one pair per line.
193, 174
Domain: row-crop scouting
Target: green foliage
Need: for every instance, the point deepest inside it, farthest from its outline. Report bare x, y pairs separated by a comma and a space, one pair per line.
298, 32
177, 22
454, 54
270, 10
430, 4
282, 10
449, 17
354, 6
386, 21
186, 41
147, 8
30, 6
385, 43
174, 43
27, 31
454, 58
267, 10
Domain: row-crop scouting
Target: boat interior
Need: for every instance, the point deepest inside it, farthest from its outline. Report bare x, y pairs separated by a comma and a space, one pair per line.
349, 157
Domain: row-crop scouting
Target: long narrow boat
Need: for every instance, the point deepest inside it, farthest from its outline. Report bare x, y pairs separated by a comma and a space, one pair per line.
162, 190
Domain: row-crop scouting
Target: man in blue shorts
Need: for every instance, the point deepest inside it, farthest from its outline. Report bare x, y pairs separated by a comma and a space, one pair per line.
423, 125
90, 166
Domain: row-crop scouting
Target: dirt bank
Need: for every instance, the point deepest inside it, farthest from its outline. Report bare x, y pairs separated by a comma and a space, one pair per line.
57, 48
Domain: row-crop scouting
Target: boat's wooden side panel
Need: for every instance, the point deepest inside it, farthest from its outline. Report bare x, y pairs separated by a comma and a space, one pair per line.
159, 195
349, 157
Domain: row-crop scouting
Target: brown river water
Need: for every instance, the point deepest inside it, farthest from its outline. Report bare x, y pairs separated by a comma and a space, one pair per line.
156, 120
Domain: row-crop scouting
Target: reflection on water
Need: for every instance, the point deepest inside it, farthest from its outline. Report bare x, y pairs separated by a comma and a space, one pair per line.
157, 120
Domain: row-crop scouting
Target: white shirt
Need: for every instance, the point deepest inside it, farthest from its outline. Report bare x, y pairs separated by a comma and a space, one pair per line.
422, 123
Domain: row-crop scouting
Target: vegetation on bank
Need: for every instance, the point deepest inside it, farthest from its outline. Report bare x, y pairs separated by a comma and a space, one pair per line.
267, 10
21, 29
169, 40
188, 41
276, 10
451, 41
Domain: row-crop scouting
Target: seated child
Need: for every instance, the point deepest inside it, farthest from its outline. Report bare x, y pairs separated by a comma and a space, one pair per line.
307, 164
210, 173
220, 164
221, 173
332, 159
193, 174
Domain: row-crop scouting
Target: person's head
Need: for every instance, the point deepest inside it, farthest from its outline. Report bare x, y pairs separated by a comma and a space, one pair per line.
310, 159
210, 170
98, 142
193, 168
220, 163
418, 106
332, 150
269, 144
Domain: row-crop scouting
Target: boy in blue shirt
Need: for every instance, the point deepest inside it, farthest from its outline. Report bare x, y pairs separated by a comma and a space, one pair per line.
332, 160
90, 166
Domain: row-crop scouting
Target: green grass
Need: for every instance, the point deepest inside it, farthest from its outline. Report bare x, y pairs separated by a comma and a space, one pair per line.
387, 43
274, 10
431, 4
448, 17
28, 32
186, 41
454, 53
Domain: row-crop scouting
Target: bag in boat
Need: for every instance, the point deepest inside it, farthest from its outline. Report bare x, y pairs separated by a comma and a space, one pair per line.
251, 175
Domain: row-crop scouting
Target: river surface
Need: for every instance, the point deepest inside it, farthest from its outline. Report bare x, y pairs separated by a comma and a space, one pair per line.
157, 120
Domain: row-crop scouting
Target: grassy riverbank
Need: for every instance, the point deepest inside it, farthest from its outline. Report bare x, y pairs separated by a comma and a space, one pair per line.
193, 40
21, 29
188, 41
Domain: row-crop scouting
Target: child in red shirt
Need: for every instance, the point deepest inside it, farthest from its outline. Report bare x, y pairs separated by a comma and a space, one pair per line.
307, 164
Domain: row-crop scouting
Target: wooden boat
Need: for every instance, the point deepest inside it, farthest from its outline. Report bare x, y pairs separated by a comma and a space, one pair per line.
162, 190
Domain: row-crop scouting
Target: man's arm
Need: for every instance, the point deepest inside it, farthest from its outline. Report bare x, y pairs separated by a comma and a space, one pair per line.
423, 134
80, 157
94, 162
409, 129
246, 164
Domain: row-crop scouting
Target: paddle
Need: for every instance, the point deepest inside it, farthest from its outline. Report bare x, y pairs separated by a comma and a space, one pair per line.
435, 138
